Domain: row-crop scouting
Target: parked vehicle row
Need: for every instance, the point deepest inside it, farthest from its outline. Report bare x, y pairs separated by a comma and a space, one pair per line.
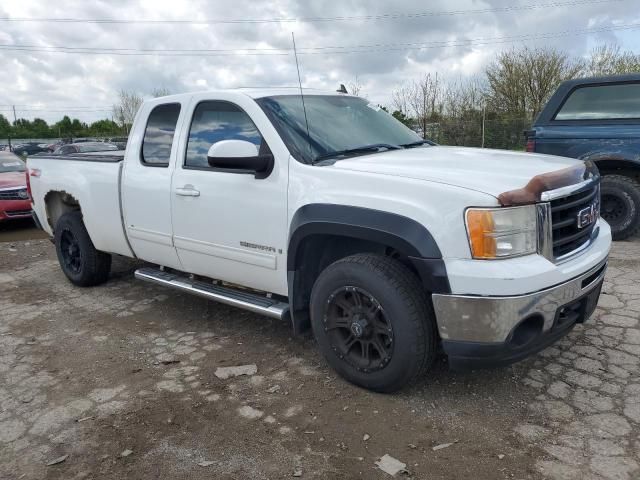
85, 147
335, 216
26, 149
96, 145
14, 199
120, 142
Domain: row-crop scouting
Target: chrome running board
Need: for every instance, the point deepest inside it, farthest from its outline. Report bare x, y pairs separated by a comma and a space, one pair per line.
229, 296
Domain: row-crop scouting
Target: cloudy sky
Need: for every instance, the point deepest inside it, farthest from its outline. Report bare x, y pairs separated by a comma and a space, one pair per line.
247, 43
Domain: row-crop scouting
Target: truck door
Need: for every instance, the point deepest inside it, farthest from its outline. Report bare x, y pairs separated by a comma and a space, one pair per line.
146, 183
228, 224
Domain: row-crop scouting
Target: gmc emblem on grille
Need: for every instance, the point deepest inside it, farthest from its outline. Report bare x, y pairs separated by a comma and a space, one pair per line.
587, 216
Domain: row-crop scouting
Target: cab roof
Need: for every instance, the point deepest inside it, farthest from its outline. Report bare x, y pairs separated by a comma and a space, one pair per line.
254, 92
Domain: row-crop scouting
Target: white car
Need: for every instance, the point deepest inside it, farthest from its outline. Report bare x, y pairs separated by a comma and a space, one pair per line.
326, 211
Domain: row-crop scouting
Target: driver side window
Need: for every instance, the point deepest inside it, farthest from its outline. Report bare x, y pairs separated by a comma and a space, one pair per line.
212, 122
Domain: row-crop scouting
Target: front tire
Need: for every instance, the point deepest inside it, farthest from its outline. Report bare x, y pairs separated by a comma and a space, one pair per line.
80, 261
373, 322
621, 205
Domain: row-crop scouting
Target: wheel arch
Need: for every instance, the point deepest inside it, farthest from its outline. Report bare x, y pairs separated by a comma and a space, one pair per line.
321, 234
617, 165
57, 203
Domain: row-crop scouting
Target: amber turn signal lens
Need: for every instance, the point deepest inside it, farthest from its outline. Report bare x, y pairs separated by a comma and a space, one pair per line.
481, 226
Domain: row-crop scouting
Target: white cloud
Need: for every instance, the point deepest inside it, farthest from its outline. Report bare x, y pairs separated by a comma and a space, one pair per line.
55, 80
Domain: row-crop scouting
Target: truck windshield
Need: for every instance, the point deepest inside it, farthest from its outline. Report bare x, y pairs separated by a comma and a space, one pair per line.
11, 164
337, 124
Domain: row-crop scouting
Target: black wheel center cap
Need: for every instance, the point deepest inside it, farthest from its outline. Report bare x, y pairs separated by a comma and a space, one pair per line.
358, 327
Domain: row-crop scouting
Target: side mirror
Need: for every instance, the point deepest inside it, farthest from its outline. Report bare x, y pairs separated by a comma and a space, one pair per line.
239, 156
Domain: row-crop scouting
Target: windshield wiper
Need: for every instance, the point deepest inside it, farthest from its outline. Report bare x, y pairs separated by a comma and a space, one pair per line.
417, 144
375, 147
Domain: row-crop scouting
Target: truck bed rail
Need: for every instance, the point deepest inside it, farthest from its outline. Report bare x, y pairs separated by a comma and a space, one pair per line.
115, 157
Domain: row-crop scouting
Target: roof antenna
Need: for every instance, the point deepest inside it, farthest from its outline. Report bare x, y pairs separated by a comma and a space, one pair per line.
304, 108
342, 89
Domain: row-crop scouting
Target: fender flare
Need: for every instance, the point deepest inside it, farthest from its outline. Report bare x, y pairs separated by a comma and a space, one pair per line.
615, 160
401, 233
397, 231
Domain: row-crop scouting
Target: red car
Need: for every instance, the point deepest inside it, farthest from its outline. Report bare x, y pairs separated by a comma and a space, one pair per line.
14, 199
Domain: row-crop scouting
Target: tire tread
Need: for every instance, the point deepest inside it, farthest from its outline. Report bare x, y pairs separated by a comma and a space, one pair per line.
407, 285
97, 264
634, 186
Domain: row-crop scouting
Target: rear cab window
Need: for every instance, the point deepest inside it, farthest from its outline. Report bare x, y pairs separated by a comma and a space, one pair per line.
159, 134
602, 102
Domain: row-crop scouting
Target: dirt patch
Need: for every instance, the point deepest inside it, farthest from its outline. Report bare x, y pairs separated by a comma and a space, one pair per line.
20, 230
92, 373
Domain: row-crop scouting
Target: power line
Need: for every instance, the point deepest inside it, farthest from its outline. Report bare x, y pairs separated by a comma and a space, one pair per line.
479, 40
56, 109
336, 49
45, 110
56, 106
377, 17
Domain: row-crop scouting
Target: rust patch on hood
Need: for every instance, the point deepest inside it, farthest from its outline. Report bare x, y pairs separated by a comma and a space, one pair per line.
532, 191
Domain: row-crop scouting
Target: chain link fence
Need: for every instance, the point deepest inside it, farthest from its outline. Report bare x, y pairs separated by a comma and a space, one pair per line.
503, 133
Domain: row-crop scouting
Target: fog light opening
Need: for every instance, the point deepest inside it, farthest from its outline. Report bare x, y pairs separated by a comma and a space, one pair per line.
526, 331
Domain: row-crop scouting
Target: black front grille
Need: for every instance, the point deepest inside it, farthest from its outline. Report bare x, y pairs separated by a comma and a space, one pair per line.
14, 194
568, 235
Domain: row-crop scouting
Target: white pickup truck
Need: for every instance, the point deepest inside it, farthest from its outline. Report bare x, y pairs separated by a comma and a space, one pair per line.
326, 211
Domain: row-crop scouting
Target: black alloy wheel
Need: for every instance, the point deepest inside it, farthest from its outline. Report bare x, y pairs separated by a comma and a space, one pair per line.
70, 250
373, 321
358, 329
79, 259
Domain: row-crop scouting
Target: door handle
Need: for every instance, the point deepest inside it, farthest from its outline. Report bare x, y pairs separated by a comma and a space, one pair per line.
187, 191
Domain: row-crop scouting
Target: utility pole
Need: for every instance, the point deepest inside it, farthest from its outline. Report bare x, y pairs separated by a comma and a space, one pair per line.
15, 119
484, 114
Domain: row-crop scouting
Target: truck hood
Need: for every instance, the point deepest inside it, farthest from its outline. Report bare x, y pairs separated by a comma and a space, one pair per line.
12, 179
489, 171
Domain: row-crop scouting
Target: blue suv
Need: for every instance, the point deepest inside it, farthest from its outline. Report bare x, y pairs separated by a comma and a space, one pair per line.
598, 119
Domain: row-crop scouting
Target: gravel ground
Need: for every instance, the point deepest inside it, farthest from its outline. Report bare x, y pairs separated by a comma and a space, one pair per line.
118, 381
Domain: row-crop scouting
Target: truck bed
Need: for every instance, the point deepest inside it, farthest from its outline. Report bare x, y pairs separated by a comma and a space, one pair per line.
91, 180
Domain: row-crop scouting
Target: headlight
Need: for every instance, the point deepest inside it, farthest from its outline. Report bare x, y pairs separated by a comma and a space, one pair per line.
502, 232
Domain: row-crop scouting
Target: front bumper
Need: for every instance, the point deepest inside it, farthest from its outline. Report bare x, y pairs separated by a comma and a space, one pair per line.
480, 331
10, 209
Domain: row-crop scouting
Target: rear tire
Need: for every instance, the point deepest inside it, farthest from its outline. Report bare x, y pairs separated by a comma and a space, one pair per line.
80, 261
621, 205
373, 322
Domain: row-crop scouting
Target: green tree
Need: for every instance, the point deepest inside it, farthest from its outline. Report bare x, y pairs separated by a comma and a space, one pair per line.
5, 127
398, 115
104, 128
520, 81
63, 127
22, 128
608, 59
78, 129
124, 111
39, 128
160, 92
